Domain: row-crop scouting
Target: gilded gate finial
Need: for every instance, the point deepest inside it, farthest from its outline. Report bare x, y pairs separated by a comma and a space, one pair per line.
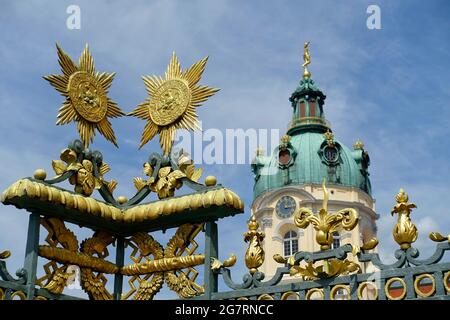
405, 232
307, 59
254, 257
324, 222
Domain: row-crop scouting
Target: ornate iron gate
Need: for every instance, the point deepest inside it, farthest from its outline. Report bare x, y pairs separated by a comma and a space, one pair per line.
128, 224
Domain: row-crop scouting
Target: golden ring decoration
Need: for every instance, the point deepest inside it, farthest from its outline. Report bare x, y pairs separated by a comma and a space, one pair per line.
388, 284
88, 96
417, 282
286, 295
446, 281
364, 285
170, 102
337, 287
19, 294
40, 298
314, 290
242, 298
2, 294
265, 296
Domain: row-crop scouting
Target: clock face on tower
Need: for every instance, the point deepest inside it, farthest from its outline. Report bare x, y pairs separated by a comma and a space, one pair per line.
285, 207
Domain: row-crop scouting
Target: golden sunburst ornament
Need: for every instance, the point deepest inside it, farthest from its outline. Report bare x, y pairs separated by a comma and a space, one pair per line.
86, 92
172, 102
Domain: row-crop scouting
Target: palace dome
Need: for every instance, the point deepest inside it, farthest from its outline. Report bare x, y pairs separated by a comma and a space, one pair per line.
309, 153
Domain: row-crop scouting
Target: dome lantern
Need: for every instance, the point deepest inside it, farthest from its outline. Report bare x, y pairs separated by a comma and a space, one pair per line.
307, 102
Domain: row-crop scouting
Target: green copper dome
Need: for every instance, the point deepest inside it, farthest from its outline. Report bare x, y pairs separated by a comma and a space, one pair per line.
309, 152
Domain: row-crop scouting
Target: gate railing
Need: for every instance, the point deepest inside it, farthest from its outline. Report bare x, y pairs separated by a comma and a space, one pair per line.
329, 274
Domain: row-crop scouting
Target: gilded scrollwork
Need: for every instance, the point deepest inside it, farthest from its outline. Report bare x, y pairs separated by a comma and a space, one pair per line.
167, 265
368, 245
63, 251
329, 268
55, 277
216, 264
168, 179
95, 284
325, 223
438, 237
143, 246
180, 281
87, 169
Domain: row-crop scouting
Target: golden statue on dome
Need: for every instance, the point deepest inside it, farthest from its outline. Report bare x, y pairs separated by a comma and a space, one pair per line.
307, 59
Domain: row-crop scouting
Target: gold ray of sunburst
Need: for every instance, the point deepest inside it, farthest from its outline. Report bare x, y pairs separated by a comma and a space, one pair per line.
172, 102
86, 92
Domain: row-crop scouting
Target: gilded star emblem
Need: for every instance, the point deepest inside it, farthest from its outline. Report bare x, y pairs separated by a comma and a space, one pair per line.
172, 102
87, 102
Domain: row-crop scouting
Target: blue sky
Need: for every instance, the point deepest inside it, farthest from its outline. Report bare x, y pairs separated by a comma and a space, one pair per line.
388, 87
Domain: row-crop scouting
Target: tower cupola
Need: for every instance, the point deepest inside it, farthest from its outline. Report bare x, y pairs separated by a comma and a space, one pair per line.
307, 102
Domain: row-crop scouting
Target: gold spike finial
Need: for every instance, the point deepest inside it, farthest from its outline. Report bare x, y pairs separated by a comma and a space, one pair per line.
254, 256
405, 232
307, 59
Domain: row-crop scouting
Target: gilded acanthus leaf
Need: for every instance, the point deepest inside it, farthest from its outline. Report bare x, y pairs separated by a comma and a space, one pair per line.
279, 258
329, 268
58, 282
148, 170
111, 185
74, 166
68, 156
191, 172
371, 244
148, 289
167, 182
139, 183
231, 261
5, 254
437, 237
215, 264
104, 168
59, 167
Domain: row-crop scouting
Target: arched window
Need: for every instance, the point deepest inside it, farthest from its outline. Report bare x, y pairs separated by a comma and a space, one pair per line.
290, 242
336, 240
